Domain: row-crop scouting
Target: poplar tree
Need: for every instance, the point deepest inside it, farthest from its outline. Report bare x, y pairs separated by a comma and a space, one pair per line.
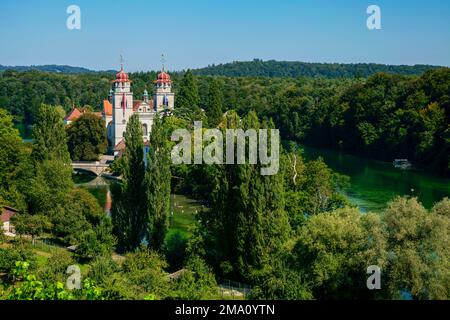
129, 205
247, 225
188, 98
157, 183
215, 104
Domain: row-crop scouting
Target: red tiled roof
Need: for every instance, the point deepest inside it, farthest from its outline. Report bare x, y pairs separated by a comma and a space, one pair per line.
107, 108
73, 115
120, 146
136, 105
7, 213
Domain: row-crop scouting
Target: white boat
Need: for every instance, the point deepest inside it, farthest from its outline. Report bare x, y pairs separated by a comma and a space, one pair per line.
402, 164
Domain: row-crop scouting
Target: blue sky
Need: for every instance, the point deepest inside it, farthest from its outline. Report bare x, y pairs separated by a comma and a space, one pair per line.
195, 33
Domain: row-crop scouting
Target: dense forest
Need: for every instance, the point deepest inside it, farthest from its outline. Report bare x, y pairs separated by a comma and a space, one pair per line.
385, 116
294, 69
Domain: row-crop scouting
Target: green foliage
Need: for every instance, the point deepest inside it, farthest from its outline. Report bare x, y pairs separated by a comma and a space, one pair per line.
9, 256
87, 137
157, 184
196, 282
187, 104
175, 249
331, 252
246, 207
215, 104
33, 225
101, 268
49, 133
49, 187
14, 162
129, 203
272, 68
419, 249
30, 288
55, 267
6, 125
145, 268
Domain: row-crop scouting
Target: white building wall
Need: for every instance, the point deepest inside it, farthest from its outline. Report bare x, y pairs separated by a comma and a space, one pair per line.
120, 118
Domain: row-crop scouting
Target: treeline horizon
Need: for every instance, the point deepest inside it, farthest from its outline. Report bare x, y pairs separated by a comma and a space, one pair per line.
260, 68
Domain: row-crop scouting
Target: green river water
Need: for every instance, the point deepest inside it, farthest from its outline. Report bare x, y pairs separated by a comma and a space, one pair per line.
374, 183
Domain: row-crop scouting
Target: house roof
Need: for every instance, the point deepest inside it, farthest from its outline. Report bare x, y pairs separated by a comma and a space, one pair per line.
107, 108
120, 146
7, 213
74, 114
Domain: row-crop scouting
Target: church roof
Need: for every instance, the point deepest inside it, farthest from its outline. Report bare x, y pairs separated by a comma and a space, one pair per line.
107, 108
163, 77
122, 76
136, 105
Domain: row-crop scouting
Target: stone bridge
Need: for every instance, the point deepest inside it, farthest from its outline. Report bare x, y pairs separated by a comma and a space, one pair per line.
95, 167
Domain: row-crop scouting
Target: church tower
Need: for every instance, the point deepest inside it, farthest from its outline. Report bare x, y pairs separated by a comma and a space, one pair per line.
122, 102
163, 97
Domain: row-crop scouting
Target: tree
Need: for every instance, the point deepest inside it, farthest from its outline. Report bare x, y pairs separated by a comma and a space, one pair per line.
188, 98
33, 225
145, 268
196, 281
14, 163
215, 104
333, 252
246, 207
7, 125
87, 137
419, 250
157, 184
50, 139
129, 201
51, 159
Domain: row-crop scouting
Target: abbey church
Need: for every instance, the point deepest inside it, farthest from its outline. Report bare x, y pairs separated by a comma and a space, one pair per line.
121, 105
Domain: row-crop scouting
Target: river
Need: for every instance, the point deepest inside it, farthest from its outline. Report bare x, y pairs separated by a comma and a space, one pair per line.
375, 183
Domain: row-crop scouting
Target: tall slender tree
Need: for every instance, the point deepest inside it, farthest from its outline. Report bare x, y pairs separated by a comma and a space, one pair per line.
246, 208
129, 201
188, 98
158, 177
215, 104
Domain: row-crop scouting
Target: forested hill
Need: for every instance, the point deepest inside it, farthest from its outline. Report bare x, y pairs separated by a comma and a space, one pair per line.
272, 68
48, 68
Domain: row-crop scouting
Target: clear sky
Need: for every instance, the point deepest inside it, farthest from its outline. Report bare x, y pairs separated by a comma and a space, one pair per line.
195, 33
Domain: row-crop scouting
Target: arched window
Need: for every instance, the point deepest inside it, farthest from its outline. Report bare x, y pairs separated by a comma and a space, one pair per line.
145, 129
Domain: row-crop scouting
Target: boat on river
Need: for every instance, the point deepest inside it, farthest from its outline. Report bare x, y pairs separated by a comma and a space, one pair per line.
402, 164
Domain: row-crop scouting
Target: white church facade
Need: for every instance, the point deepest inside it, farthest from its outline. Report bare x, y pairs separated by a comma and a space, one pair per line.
121, 105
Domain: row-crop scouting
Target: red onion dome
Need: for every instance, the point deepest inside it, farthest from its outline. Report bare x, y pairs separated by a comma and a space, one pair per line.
163, 77
122, 76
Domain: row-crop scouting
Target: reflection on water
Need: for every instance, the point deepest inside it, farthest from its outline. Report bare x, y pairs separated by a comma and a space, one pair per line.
374, 183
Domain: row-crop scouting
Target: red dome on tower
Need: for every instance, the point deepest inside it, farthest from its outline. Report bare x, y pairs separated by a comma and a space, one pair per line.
122, 76
163, 77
